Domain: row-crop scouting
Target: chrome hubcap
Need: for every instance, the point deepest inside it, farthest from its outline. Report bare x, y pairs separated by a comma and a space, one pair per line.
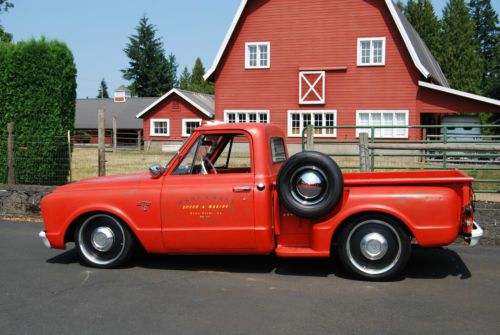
374, 246
102, 239
309, 185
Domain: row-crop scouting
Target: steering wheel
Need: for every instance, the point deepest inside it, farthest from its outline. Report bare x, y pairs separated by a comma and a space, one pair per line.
204, 169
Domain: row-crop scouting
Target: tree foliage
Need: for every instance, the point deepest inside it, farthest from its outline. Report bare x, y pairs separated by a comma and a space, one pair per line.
486, 35
5, 37
150, 71
185, 79
458, 55
422, 16
198, 83
38, 85
102, 93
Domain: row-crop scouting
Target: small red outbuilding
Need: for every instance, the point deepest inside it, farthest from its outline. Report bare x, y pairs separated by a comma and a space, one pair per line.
172, 118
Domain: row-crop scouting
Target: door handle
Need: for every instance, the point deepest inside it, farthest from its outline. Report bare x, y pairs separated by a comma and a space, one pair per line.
242, 189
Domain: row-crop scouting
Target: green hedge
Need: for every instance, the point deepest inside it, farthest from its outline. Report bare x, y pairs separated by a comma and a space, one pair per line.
37, 93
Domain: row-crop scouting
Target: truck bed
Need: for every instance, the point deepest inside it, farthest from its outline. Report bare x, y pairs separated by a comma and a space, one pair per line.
405, 177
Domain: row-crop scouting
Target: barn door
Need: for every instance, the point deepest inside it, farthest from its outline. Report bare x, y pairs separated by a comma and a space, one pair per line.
311, 87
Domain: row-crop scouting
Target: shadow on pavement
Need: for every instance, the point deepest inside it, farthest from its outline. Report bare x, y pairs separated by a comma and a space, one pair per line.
435, 263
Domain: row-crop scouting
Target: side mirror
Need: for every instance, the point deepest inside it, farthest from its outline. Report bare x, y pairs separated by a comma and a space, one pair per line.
156, 170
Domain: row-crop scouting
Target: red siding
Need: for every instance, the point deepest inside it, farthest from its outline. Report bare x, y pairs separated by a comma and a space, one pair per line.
318, 33
175, 109
436, 102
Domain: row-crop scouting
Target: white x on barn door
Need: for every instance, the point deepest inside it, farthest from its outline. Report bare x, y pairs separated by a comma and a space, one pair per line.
311, 87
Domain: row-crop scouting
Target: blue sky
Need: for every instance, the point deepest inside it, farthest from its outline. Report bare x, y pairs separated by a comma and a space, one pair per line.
97, 31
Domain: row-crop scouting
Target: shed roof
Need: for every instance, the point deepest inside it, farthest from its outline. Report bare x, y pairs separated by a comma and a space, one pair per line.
420, 54
205, 103
86, 112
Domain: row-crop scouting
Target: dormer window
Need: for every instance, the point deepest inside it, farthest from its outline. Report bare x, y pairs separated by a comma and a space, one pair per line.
371, 51
258, 55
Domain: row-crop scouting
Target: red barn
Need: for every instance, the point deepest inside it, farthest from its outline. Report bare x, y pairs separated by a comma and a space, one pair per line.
172, 117
343, 62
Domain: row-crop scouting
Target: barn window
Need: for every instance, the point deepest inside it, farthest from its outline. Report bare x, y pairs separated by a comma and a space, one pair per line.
250, 116
160, 127
298, 120
371, 51
188, 125
383, 118
312, 87
258, 55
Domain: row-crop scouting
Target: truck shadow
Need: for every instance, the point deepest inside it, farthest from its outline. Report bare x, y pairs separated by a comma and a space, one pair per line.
434, 263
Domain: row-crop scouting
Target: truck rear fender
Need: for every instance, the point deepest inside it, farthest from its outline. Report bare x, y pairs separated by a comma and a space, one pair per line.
348, 216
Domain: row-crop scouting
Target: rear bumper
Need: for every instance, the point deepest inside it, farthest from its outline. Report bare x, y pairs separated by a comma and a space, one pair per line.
475, 236
44, 239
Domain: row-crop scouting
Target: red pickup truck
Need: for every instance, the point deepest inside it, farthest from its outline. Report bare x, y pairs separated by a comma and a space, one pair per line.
231, 189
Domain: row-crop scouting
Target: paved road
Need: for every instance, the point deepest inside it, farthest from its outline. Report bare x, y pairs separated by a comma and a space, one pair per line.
447, 291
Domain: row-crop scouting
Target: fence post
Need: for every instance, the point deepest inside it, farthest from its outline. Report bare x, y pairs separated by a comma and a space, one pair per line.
114, 134
139, 140
101, 138
70, 157
11, 158
364, 153
310, 138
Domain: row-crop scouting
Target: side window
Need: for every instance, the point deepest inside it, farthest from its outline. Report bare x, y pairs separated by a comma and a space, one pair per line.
235, 157
278, 150
217, 154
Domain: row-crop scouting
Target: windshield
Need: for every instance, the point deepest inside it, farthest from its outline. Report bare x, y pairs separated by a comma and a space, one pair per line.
177, 153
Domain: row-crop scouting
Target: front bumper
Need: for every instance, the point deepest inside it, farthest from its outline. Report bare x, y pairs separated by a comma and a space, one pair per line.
44, 238
475, 236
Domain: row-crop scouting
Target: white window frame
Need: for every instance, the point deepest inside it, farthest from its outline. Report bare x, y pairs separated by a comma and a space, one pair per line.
237, 112
257, 45
382, 112
312, 88
312, 113
184, 125
152, 128
371, 40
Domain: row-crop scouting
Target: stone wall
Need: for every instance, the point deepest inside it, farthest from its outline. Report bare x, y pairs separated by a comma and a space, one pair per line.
22, 200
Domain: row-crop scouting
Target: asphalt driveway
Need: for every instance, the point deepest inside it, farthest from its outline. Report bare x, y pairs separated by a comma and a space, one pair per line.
446, 290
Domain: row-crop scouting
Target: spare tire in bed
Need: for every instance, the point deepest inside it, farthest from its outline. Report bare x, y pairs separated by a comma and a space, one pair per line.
310, 184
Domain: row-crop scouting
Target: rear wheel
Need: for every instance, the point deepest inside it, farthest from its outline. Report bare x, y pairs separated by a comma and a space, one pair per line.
374, 247
103, 241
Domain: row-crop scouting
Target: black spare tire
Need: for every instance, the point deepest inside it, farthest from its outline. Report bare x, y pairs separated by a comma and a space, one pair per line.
310, 184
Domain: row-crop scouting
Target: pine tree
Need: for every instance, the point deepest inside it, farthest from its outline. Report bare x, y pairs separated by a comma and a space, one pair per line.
150, 72
102, 93
422, 16
400, 5
198, 83
459, 56
185, 79
486, 35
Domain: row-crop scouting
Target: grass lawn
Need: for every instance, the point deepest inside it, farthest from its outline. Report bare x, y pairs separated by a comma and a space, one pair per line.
84, 165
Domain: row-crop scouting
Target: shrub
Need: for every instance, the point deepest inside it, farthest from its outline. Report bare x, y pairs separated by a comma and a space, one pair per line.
37, 93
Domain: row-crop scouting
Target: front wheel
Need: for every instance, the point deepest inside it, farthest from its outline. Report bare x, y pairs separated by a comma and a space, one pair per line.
374, 247
103, 241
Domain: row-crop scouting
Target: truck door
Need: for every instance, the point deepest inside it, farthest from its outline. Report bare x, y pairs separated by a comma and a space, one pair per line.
208, 200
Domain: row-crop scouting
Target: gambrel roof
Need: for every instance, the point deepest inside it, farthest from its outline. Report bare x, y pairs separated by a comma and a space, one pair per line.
420, 54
